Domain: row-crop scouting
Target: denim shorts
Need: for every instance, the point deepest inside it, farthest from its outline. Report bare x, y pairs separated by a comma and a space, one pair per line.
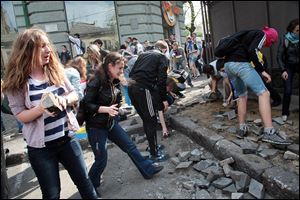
243, 75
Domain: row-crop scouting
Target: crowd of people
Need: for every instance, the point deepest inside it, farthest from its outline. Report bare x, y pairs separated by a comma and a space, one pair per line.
140, 73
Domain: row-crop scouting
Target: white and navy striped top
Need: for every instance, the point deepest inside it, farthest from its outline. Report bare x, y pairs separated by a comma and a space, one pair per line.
55, 127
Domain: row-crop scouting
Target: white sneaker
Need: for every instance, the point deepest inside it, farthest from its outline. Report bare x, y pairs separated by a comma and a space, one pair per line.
284, 118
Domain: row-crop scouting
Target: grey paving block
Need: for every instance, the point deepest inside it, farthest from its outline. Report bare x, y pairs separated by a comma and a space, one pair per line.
277, 179
256, 189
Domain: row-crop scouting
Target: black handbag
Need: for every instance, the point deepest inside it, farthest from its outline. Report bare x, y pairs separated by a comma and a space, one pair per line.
81, 113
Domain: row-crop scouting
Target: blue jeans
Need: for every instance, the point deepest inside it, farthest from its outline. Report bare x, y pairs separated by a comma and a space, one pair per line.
243, 75
288, 87
98, 138
44, 162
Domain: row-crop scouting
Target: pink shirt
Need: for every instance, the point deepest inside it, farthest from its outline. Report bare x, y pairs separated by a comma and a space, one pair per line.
34, 131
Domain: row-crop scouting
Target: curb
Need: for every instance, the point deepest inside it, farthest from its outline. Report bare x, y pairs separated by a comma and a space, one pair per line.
282, 183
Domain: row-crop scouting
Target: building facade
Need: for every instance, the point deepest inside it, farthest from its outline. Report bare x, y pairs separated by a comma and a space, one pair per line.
111, 21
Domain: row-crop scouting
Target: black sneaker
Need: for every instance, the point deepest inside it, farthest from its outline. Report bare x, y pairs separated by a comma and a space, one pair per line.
159, 157
275, 138
159, 147
242, 133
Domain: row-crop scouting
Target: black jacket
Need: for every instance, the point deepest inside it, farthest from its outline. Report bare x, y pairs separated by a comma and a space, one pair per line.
247, 50
287, 54
150, 72
100, 94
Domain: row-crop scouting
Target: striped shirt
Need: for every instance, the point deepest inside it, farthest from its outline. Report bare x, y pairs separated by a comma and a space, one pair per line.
55, 127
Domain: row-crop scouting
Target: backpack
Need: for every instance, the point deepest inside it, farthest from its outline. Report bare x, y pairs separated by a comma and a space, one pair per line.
228, 44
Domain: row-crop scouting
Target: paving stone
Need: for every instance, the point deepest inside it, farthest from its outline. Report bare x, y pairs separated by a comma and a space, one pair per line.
283, 134
255, 129
184, 165
278, 120
288, 155
247, 146
219, 195
195, 158
227, 169
189, 185
277, 179
222, 182
256, 189
219, 117
232, 130
248, 196
289, 122
196, 152
203, 164
229, 189
294, 148
214, 170
237, 195
226, 161
253, 139
276, 125
203, 194
251, 164
257, 121
268, 153
202, 183
140, 139
263, 146
218, 126
230, 114
211, 189
175, 160
241, 180
213, 173
183, 156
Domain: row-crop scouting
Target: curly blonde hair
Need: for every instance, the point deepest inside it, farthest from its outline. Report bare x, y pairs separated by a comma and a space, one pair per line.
25, 56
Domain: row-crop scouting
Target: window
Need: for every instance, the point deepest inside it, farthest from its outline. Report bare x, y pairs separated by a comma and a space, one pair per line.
8, 19
93, 20
8, 32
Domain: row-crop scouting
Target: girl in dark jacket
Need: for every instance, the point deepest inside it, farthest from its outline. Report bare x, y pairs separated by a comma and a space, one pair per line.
102, 99
288, 60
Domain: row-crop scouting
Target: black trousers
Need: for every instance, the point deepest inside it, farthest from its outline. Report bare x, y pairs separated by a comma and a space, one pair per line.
146, 106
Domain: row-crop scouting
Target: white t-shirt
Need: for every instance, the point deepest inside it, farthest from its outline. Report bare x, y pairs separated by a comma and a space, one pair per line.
76, 44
